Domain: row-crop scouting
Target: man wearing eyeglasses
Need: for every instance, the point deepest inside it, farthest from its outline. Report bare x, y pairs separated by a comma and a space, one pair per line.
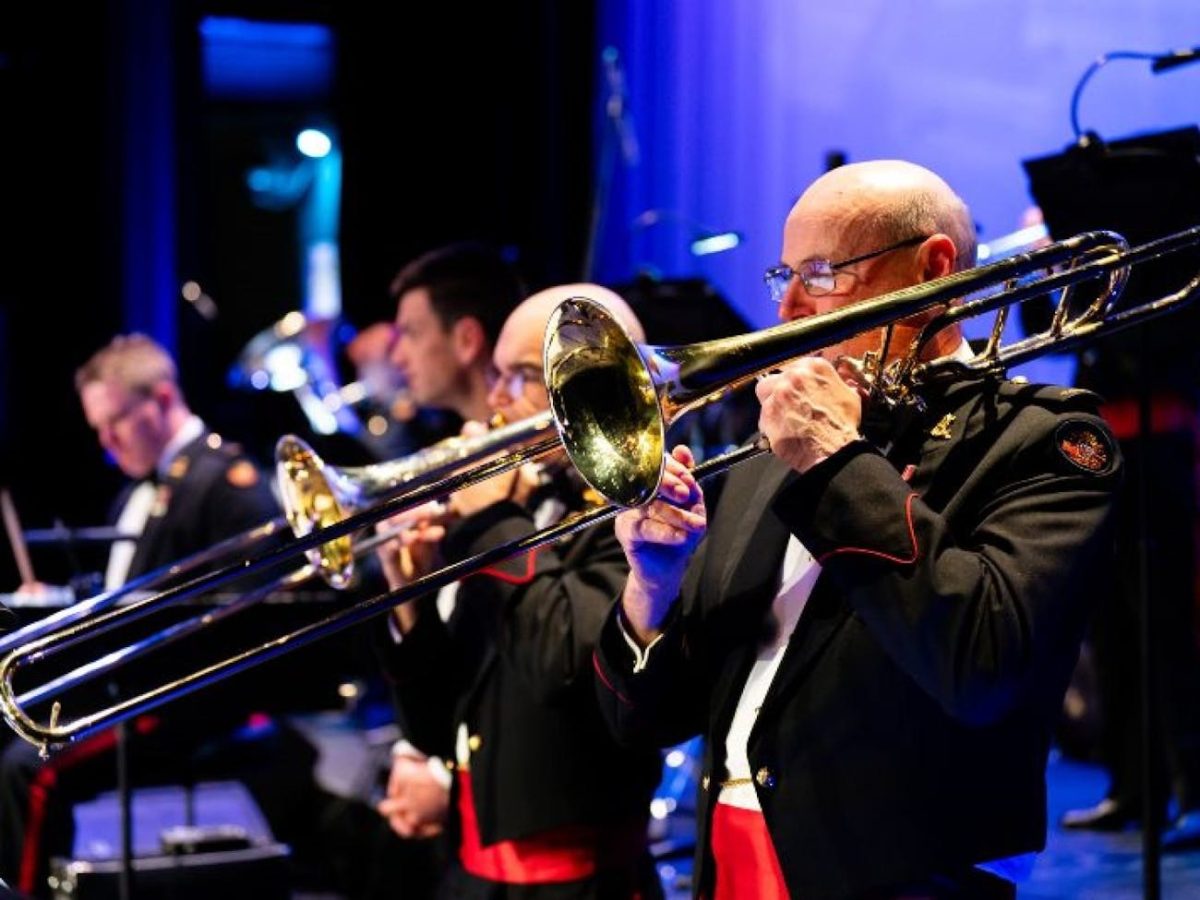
536, 797
189, 490
876, 629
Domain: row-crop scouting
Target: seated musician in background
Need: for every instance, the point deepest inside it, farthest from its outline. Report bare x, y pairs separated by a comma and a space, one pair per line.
450, 304
875, 630
425, 369
536, 797
190, 489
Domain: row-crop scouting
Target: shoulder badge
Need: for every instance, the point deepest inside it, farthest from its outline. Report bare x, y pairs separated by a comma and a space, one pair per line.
1084, 446
178, 467
242, 474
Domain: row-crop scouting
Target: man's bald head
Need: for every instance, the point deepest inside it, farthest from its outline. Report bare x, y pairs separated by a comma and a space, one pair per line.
875, 227
518, 391
891, 200
532, 313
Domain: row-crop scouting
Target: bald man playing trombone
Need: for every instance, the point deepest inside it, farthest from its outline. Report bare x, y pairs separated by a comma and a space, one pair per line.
875, 631
507, 750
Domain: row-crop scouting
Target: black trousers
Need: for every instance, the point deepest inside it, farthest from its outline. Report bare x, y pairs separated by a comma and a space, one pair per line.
969, 884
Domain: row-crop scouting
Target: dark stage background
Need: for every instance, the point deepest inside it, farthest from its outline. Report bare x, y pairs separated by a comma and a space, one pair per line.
118, 160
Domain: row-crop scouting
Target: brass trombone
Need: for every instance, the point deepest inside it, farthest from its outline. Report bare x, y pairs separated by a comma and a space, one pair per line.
315, 495
612, 400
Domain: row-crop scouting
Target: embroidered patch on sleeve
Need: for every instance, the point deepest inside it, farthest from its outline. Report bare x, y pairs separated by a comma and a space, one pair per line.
1085, 446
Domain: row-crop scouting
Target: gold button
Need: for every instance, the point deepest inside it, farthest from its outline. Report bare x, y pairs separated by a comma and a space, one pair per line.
449, 765
474, 742
765, 778
704, 783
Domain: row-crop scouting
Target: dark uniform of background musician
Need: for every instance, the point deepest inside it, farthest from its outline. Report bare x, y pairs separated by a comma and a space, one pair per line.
192, 488
494, 679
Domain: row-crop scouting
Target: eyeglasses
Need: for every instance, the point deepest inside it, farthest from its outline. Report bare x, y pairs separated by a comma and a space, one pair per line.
127, 410
819, 276
513, 382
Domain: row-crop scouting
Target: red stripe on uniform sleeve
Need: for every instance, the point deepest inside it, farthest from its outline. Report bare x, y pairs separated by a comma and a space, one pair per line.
912, 534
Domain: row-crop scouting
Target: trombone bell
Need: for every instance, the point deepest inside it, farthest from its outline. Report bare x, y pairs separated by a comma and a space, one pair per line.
316, 495
604, 401
310, 493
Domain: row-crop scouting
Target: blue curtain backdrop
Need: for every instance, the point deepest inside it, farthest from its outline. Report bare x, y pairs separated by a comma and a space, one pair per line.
735, 106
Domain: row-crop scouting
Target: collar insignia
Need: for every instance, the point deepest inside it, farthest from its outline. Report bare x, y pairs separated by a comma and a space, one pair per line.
941, 430
242, 474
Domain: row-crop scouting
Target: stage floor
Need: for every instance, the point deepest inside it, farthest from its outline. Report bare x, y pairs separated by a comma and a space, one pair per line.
1092, 866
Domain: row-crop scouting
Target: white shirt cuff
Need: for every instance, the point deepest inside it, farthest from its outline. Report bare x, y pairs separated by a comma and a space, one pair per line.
437, 768
641, 655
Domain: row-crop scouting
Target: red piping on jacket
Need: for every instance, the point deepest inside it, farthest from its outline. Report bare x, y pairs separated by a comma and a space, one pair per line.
525, 578
604, 680
912, 534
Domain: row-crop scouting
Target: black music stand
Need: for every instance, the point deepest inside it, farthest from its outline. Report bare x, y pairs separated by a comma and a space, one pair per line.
1143, 187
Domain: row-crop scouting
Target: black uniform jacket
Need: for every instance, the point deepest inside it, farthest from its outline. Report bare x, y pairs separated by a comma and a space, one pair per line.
514, 663
208, 494
907, 728
211, 491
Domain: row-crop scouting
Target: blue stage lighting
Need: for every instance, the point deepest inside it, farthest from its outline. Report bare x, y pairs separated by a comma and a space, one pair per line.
313, 142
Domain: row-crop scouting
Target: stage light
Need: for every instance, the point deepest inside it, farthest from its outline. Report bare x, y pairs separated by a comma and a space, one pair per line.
314, 143
715, 243
702, 240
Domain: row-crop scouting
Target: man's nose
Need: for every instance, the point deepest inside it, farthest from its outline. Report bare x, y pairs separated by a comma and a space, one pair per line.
498, 398
796, 303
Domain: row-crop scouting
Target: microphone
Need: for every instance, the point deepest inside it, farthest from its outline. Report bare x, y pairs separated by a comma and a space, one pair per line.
615, 76
1174, 59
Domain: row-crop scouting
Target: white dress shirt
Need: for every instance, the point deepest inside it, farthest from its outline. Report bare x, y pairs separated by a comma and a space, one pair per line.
136, 511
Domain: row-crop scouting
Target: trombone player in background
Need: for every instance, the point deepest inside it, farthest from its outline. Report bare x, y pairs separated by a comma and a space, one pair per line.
514, 761
450, 305
875, 642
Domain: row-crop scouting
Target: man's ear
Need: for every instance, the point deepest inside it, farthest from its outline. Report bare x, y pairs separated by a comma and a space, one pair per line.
470, 342
936, 257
